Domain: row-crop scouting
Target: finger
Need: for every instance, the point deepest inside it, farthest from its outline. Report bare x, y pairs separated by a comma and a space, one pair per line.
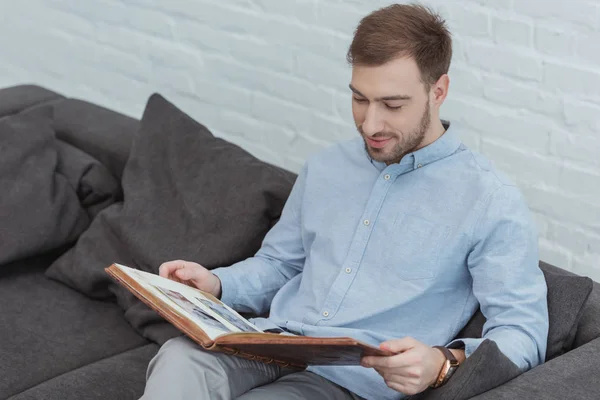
168, 268
188, 272
397, 361
399, 345
403, 374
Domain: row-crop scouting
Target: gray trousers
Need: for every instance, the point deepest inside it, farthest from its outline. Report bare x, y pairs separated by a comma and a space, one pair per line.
183, 370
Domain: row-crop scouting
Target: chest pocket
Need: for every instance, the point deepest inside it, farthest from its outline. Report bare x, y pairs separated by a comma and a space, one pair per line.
414, 247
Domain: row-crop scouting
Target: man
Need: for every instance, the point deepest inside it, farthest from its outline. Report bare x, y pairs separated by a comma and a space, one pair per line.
394, 238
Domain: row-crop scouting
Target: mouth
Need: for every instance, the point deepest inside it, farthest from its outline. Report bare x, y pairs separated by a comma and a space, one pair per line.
378, 144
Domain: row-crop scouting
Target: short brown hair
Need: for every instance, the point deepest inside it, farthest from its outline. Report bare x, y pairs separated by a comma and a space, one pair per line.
404, 30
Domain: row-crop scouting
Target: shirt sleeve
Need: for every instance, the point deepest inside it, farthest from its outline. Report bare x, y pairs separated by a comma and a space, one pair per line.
507, 281
250, 285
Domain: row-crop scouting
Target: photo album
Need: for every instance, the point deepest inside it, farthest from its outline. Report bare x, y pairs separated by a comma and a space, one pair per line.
217, 327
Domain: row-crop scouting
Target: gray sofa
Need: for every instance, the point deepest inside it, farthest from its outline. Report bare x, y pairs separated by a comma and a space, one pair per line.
57, 343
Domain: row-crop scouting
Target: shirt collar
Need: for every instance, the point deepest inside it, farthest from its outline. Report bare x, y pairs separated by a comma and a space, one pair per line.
444, 146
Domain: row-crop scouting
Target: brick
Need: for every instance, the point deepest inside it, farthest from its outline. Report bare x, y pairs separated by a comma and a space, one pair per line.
203, 111
107, 11
587, 50
277, 111
559, 205
496, 4
520, 164
581, 115
554, 41
517, 94
542, 224
168, 77
343, 105
468, 22
222, 94
306, 39
583, 148
323, 70
303, 11
274, 57
304, 145
588, 265
570, 79
454, 108
553, 254
578, 240
123, 38
331, 128
277, 137
458, 49
153, 22
512, 32
282, 86
581, 182
465, 79
577, 12
529, 134
471, 138
338, 17
294, 164
505, 60
122, 62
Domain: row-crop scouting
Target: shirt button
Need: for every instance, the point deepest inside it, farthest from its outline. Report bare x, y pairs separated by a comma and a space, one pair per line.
387, 177
366, 222
325, 314
419, 166
348, 270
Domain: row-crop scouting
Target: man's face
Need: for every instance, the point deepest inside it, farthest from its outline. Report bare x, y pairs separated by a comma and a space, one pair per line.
391, 108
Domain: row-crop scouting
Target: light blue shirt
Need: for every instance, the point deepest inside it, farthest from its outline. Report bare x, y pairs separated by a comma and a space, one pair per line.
380, 252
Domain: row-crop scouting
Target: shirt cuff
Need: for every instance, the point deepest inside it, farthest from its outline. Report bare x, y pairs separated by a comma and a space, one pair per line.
469, 344
229, 293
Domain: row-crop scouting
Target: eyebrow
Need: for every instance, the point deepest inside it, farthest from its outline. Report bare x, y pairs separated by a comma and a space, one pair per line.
385, 98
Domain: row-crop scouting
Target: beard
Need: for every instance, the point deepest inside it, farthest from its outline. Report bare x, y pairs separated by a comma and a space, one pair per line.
407, 143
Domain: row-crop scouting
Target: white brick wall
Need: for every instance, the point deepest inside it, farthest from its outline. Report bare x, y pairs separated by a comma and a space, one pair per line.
271, 76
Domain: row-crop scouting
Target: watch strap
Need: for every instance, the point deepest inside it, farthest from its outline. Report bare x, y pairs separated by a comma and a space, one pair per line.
448, 368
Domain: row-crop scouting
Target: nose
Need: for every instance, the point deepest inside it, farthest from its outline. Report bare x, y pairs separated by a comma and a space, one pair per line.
372, 123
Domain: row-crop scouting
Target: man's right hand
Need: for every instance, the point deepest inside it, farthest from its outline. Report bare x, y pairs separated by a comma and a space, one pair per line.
191, 274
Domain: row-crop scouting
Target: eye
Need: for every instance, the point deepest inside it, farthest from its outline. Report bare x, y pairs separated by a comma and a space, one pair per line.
359, 100
396, 108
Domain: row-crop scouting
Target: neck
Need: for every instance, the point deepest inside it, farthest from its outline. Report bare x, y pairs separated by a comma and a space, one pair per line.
435, 131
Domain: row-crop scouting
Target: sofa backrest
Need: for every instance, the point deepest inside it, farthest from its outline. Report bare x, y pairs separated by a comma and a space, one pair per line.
588, 327
104, 134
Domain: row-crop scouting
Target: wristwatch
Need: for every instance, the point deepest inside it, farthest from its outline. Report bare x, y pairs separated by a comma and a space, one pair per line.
448, 368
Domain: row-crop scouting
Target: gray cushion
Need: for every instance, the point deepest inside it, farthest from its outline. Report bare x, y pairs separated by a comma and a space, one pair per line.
188, 195
485, 369
571, 376
39, 206
96, 188
567, 296
17, 98
120, 377
48, 329
104, 134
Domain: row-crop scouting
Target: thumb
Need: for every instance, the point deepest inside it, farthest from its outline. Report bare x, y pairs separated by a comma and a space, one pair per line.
398, 345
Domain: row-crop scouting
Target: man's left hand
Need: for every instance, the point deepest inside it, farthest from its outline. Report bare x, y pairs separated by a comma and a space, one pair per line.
412, 370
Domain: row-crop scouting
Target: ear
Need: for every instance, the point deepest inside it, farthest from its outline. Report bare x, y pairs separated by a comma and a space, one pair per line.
439, 90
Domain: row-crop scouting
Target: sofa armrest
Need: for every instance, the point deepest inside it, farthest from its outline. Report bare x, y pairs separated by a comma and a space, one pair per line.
574, 375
